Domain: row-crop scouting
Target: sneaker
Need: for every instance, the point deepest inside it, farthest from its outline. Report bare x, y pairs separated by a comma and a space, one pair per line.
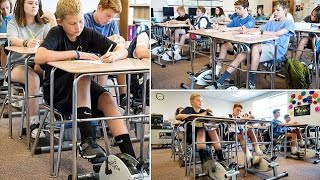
256, 160
207, 78
176, 54
252, 86
90, 149
34, 128
302, 144
215, 85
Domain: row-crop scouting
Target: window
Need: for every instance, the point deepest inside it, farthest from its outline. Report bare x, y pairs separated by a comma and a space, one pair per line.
263, 108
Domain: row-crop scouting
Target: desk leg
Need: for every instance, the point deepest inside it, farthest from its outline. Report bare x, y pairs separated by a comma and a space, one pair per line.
213, 50
143, 112
74, 129
248, 67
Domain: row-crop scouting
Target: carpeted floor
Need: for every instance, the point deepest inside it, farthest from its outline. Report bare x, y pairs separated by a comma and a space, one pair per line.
172, 76
17, 163
163, 167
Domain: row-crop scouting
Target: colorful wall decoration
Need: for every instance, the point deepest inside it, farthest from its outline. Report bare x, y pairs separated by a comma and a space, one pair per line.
299, 103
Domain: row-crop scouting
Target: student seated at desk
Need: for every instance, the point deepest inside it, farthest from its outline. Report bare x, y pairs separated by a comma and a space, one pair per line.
202, 134
201, 22
260, 14
279, 129
27, 29
243, 20
314, 17
280, 27
140, 46
237, 109
287, 119
181, 19
288, 16
102, 21
218, 15
5, 17
71, 40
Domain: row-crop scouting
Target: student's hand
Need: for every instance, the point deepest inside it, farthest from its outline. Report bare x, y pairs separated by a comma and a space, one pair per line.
243, 30
108, 57
295, 122
117, 39
33, 43
215, 26
48, 16
88, 56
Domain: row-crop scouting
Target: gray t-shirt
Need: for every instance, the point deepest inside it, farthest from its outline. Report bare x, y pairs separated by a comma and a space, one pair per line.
36, 31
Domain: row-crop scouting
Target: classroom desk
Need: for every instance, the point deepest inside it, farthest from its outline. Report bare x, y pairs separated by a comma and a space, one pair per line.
316, 32
93, 68
234, 37
21, 50
304, 126
169, 26
195, 118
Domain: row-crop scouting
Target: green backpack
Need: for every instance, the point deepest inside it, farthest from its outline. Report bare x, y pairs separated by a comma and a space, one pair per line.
298, 76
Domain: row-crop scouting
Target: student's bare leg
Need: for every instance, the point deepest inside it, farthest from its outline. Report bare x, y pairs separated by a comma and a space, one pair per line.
244, 148
293, 137
102, 80
183, 40
118, 127
3, 56
213, 134
255, 57
299, 136
177, 34
224, 48
17, 75
122, 80
301, 45
253, 139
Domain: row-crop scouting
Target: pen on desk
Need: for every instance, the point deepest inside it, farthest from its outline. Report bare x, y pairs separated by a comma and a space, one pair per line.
109, 48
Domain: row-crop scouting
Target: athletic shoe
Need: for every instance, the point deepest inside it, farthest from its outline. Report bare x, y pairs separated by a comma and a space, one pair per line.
90, 149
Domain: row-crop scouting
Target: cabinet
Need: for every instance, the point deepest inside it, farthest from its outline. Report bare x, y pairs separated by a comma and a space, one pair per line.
133, 11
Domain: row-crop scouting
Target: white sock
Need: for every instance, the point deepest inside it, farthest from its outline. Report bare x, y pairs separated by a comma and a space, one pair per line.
218, 68
257, 149
34, 119
294, 150
302, 142
248, 153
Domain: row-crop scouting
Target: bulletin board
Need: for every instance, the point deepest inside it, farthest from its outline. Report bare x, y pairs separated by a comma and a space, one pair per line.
302, 110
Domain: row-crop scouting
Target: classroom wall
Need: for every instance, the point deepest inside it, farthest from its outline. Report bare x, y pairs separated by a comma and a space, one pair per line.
314, 117
174, 99
247, 105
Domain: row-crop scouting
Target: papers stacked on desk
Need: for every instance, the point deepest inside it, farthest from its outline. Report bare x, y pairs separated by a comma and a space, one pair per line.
302, 25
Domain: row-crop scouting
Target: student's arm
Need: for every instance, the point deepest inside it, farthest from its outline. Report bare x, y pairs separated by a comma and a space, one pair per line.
13, 36
47, 51
182, 116
118, 53
142, 47
288, 28
288, 124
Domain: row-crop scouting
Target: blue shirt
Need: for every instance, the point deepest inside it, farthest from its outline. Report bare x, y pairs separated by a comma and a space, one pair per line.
261, 18
5, 21
277, 129
107, 30
248, 22
233, 16
282, 41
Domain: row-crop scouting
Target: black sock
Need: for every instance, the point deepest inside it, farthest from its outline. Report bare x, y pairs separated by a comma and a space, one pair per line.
122, 96
204, 155
125, 144
220, 155
86, 129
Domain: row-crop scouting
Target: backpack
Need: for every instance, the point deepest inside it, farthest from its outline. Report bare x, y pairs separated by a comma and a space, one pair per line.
133, 43
208, 22
297, 74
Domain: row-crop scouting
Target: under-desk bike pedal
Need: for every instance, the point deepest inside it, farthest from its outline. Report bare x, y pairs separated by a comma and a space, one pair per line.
221, 172
120, 166
266, 164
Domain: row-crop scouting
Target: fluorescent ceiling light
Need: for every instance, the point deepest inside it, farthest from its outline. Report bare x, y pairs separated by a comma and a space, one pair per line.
240, 93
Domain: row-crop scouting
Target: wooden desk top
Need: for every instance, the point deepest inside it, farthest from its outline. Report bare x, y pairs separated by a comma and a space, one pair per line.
235, 36
22, 50
171, 25
307, 30
90, 66
3, 35
296, 125
191, 117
